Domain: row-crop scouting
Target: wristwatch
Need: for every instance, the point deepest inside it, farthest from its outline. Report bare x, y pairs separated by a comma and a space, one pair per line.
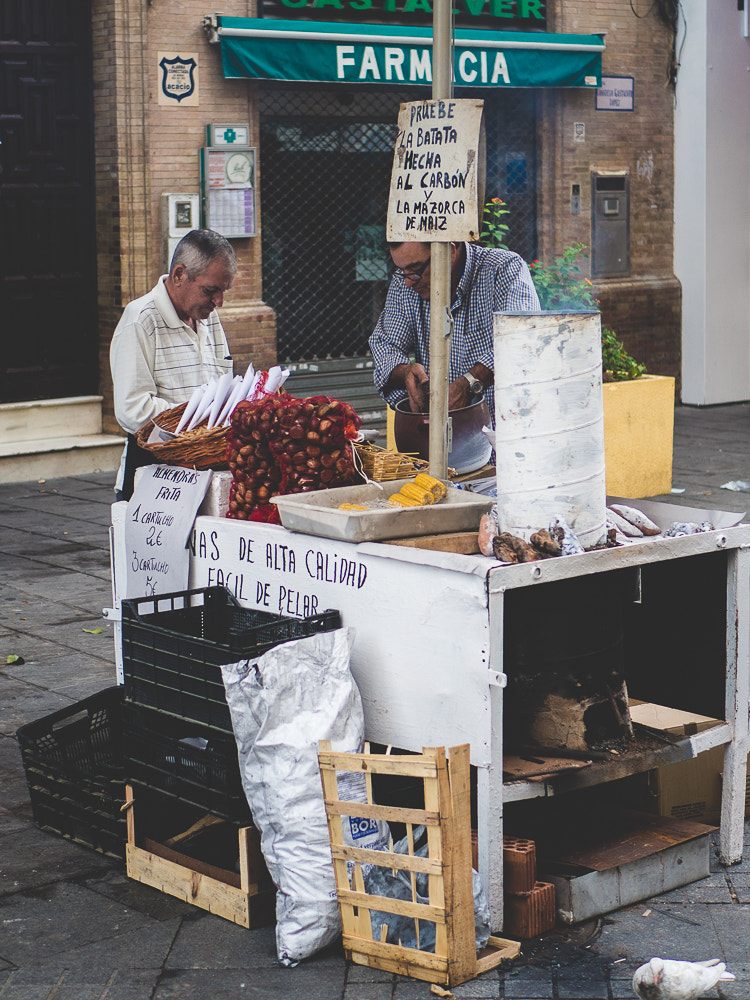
474, 384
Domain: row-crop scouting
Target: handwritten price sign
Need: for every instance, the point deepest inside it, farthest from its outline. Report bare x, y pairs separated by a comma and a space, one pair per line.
437, 180
159, 521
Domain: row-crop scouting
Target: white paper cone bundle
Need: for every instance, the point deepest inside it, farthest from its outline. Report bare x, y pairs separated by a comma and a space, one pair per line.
204, 406
220, 397
191, 407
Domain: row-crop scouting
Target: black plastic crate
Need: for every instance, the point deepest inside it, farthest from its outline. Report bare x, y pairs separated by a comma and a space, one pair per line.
174, 644
74, 769
185, 761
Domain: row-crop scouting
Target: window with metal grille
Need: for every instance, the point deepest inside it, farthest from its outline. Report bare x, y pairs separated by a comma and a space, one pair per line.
326, 156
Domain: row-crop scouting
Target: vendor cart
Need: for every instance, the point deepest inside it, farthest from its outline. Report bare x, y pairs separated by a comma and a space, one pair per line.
437, 636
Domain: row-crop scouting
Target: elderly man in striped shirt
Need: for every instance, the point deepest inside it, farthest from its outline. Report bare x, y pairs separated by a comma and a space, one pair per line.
483, 281
170, 341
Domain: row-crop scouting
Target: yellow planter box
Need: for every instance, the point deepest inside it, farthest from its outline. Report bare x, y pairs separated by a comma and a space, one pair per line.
638, 433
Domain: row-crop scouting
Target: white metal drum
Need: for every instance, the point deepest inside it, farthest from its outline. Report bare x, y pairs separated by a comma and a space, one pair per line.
549, 424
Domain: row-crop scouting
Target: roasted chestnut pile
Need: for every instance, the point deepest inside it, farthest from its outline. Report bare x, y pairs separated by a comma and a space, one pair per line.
285, 445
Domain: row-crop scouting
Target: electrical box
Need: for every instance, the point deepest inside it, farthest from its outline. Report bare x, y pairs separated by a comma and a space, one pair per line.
179, 214
610, 224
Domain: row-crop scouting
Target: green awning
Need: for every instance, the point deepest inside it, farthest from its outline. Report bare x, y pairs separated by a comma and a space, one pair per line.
306, 51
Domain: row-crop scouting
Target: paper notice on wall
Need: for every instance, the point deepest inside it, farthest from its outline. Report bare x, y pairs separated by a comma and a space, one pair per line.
437, 180
159, 520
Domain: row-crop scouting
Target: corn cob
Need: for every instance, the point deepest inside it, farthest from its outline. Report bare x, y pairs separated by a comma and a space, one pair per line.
419, 494
435, 487
401, 500
352, 506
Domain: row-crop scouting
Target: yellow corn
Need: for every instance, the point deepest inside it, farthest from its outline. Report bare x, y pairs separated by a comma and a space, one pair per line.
422, 496
352, 506
435, 487
401, 500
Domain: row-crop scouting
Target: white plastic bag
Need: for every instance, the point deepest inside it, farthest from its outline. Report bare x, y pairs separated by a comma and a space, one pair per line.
395, 883
281, 706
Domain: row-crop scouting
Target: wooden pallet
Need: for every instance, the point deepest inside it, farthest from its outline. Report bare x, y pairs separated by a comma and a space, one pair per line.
247, 898
450, 907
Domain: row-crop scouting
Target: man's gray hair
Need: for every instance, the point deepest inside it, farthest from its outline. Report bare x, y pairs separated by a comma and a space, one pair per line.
199, 249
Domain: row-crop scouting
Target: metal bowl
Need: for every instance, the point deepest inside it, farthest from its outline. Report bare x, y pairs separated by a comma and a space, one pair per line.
471, 449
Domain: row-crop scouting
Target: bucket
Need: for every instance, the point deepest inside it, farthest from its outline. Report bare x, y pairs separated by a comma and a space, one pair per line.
549, 423
471, 449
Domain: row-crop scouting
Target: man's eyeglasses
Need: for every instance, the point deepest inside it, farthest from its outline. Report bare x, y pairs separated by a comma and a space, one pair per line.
414, 272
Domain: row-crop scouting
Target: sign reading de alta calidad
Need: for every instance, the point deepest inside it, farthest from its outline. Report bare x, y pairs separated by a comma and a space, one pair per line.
178, 79
437, 172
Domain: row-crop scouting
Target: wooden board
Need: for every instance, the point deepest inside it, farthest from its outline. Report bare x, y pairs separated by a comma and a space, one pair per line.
464, 542
523, 768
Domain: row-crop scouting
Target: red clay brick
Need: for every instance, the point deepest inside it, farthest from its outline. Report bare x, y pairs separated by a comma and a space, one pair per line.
532, 914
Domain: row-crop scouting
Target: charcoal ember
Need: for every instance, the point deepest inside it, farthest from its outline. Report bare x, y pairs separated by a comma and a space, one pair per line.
524, 552
502, 552
530, 554
544, 542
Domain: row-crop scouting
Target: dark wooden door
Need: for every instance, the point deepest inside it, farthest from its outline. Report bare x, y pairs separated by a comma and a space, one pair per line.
47, 229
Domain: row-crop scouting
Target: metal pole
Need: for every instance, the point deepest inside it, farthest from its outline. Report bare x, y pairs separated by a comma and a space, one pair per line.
440, 269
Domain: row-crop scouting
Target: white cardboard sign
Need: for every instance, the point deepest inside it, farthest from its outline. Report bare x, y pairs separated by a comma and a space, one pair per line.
405, 645
436, 171
159, 519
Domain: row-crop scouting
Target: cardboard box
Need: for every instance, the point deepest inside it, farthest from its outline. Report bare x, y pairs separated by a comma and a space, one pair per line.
689, 789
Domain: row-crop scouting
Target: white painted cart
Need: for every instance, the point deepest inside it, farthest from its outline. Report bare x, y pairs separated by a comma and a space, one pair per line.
429, 658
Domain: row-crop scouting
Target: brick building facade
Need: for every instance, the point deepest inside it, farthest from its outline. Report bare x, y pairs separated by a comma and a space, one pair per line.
144, 148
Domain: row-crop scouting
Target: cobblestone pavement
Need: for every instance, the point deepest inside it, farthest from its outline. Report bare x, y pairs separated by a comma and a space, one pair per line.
74, 927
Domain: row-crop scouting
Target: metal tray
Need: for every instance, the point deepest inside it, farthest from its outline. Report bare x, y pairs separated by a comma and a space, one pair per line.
318, 514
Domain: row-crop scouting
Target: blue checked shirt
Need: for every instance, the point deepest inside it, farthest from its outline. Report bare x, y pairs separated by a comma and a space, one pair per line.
492, 281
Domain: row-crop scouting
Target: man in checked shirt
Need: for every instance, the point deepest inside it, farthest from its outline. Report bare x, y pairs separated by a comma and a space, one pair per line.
483, 281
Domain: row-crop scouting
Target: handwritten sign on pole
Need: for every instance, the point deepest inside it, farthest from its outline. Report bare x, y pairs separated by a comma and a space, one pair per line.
158, 523
437, 172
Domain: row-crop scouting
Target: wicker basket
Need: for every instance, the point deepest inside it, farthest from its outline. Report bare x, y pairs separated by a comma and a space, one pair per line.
201, 448
382, 465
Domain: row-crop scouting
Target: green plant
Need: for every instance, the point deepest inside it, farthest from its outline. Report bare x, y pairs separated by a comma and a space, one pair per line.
617, 364
494, 230
561, 284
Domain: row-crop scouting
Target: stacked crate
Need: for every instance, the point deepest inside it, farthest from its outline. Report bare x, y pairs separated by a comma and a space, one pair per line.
529, 905
75, 774
149, 771
190, 831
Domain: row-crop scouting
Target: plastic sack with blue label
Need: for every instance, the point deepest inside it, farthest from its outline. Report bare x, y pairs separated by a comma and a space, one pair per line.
282, 705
